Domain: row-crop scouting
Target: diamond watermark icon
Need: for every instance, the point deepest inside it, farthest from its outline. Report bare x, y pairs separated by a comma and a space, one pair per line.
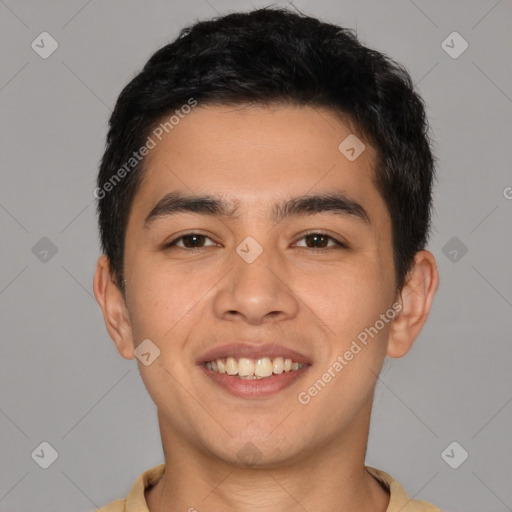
44, 45
44, 249
249, 249
454, 249
249, 454
454, 45
351, 147
146, 352
454, 455
44, 455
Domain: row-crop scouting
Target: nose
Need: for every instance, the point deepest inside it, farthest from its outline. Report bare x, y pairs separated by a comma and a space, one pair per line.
256, 292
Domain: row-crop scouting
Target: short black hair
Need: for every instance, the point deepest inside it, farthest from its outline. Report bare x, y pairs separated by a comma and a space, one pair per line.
276, 56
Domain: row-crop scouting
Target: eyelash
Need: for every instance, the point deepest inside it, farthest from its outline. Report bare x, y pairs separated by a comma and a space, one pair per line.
339, 245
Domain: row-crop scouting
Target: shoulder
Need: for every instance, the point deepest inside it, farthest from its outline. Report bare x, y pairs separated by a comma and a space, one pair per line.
422, 506
398, 499
136, 500
115, 506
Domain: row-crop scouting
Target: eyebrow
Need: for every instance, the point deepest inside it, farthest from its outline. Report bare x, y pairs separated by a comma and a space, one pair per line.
336, 203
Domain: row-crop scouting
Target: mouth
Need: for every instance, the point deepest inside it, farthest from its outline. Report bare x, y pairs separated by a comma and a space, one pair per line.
250, 369
253, 371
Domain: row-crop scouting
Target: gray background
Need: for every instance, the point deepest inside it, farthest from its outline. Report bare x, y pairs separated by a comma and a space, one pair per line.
61, 379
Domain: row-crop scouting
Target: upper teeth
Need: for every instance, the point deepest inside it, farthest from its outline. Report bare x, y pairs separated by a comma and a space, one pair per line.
253, 369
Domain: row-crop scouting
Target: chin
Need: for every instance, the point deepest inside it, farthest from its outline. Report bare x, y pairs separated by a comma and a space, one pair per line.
260, 451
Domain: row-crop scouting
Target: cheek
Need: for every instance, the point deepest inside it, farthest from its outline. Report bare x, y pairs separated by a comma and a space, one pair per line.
159, 299
353, 298
351, 304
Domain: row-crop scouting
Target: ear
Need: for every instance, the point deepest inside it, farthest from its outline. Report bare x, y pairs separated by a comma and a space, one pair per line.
415, 299
113, 307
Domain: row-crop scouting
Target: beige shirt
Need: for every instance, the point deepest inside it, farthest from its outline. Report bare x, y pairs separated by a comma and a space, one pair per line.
136, 502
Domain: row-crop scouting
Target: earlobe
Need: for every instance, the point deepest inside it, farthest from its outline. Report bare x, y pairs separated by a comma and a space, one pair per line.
415, 299
113, 307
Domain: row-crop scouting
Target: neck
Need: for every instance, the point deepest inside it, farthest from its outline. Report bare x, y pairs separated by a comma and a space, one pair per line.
330, 477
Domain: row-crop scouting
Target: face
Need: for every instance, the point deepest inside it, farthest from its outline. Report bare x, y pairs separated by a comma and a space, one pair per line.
249, 278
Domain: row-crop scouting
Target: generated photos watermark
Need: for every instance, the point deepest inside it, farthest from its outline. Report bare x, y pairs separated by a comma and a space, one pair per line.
304, 397
151, 142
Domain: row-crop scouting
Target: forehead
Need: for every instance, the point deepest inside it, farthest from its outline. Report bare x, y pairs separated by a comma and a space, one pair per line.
255, 156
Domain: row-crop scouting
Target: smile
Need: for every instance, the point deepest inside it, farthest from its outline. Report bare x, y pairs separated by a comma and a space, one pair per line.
247, 368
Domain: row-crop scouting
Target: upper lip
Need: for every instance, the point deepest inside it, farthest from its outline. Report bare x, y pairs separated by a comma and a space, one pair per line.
253, 351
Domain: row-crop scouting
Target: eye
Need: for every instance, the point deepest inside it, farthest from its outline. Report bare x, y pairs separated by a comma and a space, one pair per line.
314, 240
319, 240
189, 241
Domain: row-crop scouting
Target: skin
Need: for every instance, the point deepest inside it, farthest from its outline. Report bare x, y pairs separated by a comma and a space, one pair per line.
188, 301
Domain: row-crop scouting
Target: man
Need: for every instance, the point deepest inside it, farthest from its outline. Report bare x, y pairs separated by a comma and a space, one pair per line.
264, 206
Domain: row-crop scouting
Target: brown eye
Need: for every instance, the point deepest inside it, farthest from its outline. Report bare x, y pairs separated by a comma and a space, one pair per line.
317, 240
321, 241
190, 241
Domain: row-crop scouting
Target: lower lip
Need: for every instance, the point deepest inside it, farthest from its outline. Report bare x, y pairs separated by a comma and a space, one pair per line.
254, 388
